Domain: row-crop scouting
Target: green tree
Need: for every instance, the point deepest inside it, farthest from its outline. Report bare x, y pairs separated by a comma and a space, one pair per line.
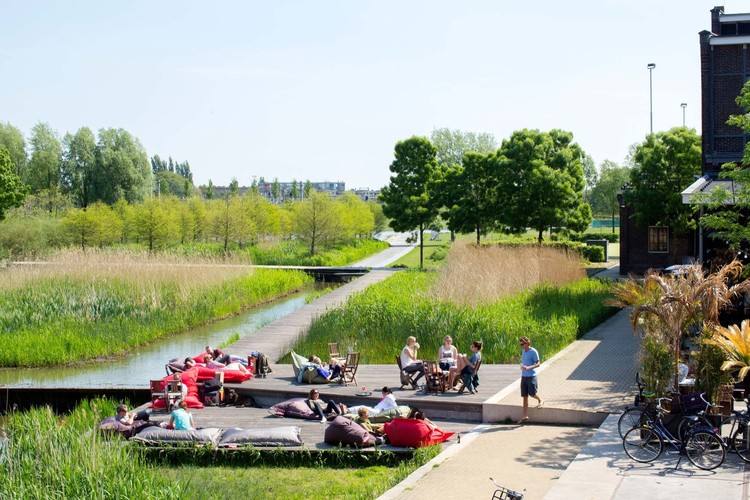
294, 192
80, 226
356, 217
540, 182
12, 190
171, 183
664, 164
316, 221
406, 199
307, 189
380, 221
234, 187
79, 165
230, 222
153, 224
611, 181
12, 139
210, 192
275, 190
43, 173
452, 145
122, 166
200, 218
590, 175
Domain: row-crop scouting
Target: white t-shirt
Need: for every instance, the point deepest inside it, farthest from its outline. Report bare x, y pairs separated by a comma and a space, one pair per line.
386, 403
405, 358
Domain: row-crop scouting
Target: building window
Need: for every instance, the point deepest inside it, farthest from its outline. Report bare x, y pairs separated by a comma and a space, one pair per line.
658, 239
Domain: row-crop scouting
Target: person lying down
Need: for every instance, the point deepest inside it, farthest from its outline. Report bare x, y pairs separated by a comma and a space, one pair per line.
387, 402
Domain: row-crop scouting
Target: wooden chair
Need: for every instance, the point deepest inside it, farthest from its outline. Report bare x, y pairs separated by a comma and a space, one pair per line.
349, 368
435, 380
461, 386
406, 378
170, 391
333, 350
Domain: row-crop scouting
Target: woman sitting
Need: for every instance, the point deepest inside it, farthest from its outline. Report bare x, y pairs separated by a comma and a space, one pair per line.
330, 372
447, 354
316, 405
388, 402
468, 373
410, 363
181, 419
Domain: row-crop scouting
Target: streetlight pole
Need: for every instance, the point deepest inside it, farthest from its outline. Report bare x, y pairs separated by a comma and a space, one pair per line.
683, 106
651, 67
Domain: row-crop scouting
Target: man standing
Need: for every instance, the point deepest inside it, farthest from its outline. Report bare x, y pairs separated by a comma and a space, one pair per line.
529, 364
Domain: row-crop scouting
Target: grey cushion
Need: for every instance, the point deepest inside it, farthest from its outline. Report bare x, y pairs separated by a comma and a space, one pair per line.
276, 436
158, 435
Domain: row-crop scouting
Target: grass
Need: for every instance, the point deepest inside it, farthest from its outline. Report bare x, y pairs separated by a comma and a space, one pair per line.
295, 253
434, 253
89, 307
377, 321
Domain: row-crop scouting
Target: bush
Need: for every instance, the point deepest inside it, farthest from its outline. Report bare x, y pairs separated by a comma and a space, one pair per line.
593, 253
657, 362
30, 237
439, 254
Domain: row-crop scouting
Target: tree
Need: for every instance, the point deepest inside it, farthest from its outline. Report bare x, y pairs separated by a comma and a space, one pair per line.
234, 187
379, 219
12, 190
153, 224
13, 140
230, 222
540, 182
612, 179
590, 175
294, 192
210, 192
452, 145
171, 183
79, 165
97, 225
664, 164
307, 189
406, 199
276, 190
200, 218
43, 172
316, 221
356, 217
123, 169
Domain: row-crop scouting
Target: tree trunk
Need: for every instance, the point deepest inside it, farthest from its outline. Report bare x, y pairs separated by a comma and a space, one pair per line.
453, 236
478, 234
421, 246
540, 238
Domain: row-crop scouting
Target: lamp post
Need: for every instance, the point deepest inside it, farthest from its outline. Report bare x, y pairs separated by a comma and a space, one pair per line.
651, 67
683, 106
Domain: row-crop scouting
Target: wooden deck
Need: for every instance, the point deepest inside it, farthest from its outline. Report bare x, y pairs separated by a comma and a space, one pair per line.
276, 338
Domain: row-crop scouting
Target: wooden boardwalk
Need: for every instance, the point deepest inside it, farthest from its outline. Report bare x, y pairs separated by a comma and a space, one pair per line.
275, 339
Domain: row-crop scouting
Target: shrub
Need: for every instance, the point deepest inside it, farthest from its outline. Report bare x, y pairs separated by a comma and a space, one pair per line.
657, 362
593, 253
29, 237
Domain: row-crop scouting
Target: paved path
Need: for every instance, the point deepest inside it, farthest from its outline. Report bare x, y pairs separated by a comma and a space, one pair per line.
602, 471
275, 339
384, 258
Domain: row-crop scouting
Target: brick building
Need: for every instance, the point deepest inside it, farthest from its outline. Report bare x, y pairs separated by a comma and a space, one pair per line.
725, 67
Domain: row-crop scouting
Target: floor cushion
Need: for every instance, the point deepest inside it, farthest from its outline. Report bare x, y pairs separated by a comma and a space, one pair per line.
297, 362
111, 425
293, 408
276, 436
386, 415
159, 435
343, 432
414, 433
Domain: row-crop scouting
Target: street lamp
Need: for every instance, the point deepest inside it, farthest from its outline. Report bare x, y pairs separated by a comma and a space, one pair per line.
651, 67
683, 106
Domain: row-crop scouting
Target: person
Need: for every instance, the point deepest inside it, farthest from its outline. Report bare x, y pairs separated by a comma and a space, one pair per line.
529, 364
217, 354
447, 354
469, 372
190, 363
363, 419
410, 363
334, 367
387, 402
125, 417
316, 404
180, 419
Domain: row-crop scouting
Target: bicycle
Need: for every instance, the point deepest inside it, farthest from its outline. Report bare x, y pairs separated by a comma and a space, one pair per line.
702, 445
739, 434
503, 493
633, 415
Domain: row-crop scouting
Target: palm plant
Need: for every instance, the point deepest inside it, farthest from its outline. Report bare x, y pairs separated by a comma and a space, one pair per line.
735, 342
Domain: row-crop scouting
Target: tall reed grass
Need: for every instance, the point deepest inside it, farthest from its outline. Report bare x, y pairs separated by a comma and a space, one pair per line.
481, 274
82, 308
53, 457
377, 321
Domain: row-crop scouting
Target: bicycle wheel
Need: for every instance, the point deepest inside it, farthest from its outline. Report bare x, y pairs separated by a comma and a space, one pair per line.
705, 450
642, 444
686, 425
631, 418
741, 442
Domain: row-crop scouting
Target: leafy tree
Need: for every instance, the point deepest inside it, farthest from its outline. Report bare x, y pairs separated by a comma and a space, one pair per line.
44, 166
307, 189
406, 199
294, 192
380, 221
123, 169
97, 225
664, 164
210, 192
200, 217
590, 175
171, 183
540, 181
452, 145
612, 179
276, 190
234, 187
316, 221
230, 222
153, 223
79, 167
12, 190
13, 140
356, 217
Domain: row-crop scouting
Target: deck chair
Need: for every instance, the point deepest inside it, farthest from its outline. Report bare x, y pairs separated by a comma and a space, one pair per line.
435, 380
349, 368
460, 379
406, 378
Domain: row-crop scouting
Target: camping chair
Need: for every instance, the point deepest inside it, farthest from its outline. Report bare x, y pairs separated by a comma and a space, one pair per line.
349, 368
434, 378
460, 379
406, 378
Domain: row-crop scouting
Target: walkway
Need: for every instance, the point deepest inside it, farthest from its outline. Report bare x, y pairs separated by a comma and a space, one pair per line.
384, 258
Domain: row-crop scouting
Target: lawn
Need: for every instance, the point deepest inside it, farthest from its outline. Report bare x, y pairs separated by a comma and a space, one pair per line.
434, 253
377, 321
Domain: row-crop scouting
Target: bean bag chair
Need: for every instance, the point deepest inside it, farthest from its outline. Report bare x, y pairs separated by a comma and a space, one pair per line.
160, 436
343, 432
386, 415
293, 408
274, 437
111, 426
230, 376
414, 433
305, 372
200, 358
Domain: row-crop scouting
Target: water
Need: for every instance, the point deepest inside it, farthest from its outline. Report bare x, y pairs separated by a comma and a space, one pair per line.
145, 363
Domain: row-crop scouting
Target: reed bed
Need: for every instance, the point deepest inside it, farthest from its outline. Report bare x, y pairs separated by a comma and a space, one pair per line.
377, 321
53, 457
476, 275
80, 307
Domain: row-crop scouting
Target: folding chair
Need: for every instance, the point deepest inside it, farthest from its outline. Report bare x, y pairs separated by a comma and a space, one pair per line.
349, 369
461, 384
434, 378
406, 378
333, 350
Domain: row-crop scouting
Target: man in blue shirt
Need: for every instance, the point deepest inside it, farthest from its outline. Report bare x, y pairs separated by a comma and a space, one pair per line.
529, 364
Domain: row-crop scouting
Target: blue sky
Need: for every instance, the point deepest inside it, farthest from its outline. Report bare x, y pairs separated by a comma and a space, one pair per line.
322, 90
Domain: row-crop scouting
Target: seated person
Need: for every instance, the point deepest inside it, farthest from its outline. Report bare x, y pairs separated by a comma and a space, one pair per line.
129, 418
217, 354
386, 403
468, 373
330, 372
363, 419
180, 419
410, 363
316, 405
447, 354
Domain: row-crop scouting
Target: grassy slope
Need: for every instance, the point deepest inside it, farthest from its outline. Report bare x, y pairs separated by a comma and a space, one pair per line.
377, 321
62, 320
411, 259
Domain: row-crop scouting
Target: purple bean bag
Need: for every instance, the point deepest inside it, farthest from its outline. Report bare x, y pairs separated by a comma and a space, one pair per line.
293, 408
343, 432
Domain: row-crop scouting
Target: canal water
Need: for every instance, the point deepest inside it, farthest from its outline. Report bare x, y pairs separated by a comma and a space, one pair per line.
145, 363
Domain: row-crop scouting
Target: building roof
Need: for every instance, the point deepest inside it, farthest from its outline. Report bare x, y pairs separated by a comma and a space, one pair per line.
703, 187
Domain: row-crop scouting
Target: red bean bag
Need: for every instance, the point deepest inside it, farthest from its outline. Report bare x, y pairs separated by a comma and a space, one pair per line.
200, 358
414, 433
230, 376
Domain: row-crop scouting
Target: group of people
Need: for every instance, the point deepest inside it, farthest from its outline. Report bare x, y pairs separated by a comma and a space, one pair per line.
180, 418
449, 360
330, 371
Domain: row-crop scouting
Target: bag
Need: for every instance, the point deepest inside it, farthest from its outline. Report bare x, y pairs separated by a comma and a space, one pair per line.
212, 398
262, 366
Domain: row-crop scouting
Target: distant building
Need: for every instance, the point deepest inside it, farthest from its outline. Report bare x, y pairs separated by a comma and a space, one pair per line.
286, 188
367, 194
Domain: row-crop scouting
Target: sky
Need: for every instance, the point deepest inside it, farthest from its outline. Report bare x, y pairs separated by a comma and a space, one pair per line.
323, 89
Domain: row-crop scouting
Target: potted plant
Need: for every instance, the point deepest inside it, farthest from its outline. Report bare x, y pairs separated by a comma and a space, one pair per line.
734, 341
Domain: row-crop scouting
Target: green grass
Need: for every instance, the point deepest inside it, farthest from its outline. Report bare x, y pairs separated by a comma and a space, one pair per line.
66, 319
377, 321
434, 254
295, 253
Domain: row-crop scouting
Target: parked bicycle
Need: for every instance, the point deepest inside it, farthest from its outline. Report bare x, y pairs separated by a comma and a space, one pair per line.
503, 493
633, 415
739, 434
701, 443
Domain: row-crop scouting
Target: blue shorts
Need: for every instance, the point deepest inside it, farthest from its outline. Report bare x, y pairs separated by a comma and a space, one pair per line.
528, 386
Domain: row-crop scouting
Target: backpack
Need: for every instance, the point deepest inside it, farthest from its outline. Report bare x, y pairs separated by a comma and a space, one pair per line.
262, 366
